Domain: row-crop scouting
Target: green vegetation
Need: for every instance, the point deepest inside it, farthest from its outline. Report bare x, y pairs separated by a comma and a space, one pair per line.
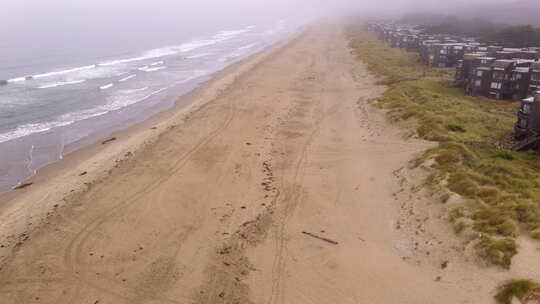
497, 251
501, 189
536, 234
519, 289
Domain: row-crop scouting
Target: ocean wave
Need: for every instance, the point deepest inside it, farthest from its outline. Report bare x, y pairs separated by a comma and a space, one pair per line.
63, 72
181, 48
249, 46
151, 54
133, 90
233, 33
59, 84
156, 63
241, 51
197, 56
32, 128
107, 86
51, 74
149, 69
127, 78
116, 103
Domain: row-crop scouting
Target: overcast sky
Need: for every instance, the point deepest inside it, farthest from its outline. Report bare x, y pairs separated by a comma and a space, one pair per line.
30, 11
40, 18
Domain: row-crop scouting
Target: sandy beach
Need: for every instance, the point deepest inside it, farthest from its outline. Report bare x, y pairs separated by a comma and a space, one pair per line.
276, 182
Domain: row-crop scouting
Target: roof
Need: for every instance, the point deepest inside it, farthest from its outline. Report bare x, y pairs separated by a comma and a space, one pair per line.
472, 56
502, 64
528, 99
522, 70
512, 50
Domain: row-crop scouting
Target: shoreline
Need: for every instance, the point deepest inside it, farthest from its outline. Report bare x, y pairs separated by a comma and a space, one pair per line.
93, 114
90, 163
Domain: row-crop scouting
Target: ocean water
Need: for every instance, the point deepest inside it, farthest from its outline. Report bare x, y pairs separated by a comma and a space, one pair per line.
52, 101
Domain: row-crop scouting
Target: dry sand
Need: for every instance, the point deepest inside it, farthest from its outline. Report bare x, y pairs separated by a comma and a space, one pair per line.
280, 183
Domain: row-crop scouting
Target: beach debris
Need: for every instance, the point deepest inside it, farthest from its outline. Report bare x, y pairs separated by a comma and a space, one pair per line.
108, 140
83, 173
320, 238
444, 264
22, 186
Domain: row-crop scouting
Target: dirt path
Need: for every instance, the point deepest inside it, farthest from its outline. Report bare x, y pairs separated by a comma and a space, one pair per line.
215, 209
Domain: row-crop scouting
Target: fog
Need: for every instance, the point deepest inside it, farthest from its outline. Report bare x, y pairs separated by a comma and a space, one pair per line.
39, 15
33, 25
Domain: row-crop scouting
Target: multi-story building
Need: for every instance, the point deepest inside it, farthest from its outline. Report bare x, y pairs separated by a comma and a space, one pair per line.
527, 128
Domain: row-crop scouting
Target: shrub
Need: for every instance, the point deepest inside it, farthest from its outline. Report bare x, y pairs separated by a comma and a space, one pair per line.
455, 128
503, 155
515, 288
535, 234
497, 251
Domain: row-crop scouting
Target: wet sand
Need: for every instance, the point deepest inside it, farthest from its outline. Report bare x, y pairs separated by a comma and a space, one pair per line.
279, 183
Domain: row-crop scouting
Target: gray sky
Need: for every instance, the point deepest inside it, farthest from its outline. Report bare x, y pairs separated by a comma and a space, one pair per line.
42, 16
41, 10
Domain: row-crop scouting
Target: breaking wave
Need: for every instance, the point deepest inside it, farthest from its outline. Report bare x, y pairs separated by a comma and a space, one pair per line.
59, 84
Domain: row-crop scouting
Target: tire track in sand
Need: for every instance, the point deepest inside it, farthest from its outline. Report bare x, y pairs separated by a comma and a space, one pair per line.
73, 252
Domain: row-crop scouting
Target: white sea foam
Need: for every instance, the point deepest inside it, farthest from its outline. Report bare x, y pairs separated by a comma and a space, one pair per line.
133, 90
241, 51
128, 78
149, 69
197, 56
156, 63
249, 46
107, 86
63, 72
116, 103
32, 128
151, 54
59, 84
18, 79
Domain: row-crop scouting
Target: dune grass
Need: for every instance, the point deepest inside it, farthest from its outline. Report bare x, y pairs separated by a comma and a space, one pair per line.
519, 289
502, 188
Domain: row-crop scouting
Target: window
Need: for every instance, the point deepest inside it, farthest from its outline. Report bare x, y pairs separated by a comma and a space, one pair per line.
523, 123
535, 77
479, 73
496, 85
526, 108
518, 76
478, 83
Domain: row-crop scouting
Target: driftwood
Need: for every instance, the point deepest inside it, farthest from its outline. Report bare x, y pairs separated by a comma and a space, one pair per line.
108, 140
321, 238
26, 185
